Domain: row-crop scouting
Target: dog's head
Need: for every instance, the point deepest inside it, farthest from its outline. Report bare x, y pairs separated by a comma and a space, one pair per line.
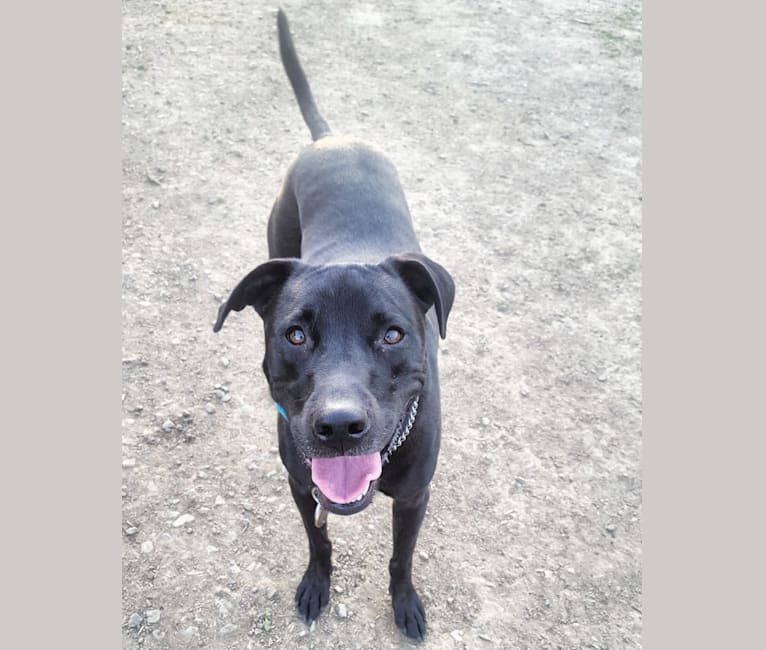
345, 357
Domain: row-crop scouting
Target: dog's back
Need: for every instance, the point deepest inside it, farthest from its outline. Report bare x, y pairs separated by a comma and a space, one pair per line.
341, 200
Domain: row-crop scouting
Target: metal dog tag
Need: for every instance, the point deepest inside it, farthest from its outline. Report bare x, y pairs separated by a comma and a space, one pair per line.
320, 514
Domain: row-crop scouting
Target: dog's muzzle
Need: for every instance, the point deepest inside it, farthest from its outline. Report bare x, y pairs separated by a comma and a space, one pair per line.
345, 485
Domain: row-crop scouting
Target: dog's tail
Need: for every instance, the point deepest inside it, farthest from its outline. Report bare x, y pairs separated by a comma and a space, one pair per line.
292, 65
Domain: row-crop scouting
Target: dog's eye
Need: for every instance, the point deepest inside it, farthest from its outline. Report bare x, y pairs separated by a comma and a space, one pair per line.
296, 336
393, 335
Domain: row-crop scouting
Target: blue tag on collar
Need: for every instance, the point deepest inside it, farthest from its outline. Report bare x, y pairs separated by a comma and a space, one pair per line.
281, 411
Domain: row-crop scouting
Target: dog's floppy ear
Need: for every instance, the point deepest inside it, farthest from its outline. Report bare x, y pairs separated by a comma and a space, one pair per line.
428, 281
257, 288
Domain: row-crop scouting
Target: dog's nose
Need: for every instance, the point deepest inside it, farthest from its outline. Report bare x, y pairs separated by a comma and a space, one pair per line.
341, 423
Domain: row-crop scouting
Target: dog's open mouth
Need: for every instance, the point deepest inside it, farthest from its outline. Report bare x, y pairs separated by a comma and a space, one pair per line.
346, 484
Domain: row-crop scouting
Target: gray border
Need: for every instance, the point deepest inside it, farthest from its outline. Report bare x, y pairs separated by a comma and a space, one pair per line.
703, 493
63, 127
61, 238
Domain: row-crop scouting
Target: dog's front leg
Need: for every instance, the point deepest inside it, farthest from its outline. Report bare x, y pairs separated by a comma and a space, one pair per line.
408, 515
313, 592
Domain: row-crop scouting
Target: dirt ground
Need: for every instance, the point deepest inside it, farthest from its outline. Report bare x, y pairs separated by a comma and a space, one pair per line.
515, 127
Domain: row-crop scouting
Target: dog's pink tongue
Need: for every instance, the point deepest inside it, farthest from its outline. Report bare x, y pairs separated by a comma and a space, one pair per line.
344, 478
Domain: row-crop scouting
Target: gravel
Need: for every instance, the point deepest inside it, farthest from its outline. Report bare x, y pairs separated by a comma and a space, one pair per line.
534, 206
183, 520
227, 629
153, 616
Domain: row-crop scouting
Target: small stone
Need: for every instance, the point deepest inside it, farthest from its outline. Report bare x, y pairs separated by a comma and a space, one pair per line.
611, 528
220, 501
183, 520
524, 391
423, 555
147, 546
224, 362
341, 611
226, 398
156, 205
131, 531
190, 632
153, 616
227, 629
129, 462
338, 589
165, 541
135, 620
168, 426
209, 408
602, 377
485, 421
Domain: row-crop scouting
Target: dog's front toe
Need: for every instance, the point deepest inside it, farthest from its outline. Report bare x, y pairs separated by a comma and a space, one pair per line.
312, 595
409, 615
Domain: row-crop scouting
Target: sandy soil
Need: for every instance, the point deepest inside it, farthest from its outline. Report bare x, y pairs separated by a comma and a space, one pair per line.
515, 127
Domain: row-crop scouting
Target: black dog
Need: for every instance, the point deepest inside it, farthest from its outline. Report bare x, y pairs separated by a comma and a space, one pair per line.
351, 313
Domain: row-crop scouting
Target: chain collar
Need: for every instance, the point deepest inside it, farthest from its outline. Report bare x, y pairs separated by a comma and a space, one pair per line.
404, 428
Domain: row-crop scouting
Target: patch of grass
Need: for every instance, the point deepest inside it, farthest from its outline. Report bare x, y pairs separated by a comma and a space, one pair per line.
266, 624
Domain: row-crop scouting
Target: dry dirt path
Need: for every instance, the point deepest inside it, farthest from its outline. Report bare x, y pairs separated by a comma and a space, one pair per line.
515, 127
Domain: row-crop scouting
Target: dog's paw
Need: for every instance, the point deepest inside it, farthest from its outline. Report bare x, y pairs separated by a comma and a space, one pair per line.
312, 595
409, 615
